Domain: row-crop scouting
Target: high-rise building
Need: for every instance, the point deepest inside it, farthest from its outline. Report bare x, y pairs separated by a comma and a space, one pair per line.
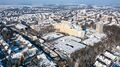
99, 27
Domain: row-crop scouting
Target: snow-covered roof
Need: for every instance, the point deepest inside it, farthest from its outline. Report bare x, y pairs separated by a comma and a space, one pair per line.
20, 26
45, 61
94, 38
98, 64
68, 44
70, 38
109, 55
104, 59
52, 35
17, 55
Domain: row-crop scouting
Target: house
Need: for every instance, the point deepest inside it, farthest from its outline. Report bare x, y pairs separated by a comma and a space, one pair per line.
21, 27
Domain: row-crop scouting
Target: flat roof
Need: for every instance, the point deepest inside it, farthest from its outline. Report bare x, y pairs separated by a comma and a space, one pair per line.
20, 26
68, 44
94, 38
51, 36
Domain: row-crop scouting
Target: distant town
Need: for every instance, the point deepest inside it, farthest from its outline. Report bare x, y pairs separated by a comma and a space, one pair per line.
60, 36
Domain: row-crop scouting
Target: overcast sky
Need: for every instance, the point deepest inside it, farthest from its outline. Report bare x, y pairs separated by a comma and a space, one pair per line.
77, 2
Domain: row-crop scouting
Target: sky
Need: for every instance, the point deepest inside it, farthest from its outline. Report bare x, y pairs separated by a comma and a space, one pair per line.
60, 2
